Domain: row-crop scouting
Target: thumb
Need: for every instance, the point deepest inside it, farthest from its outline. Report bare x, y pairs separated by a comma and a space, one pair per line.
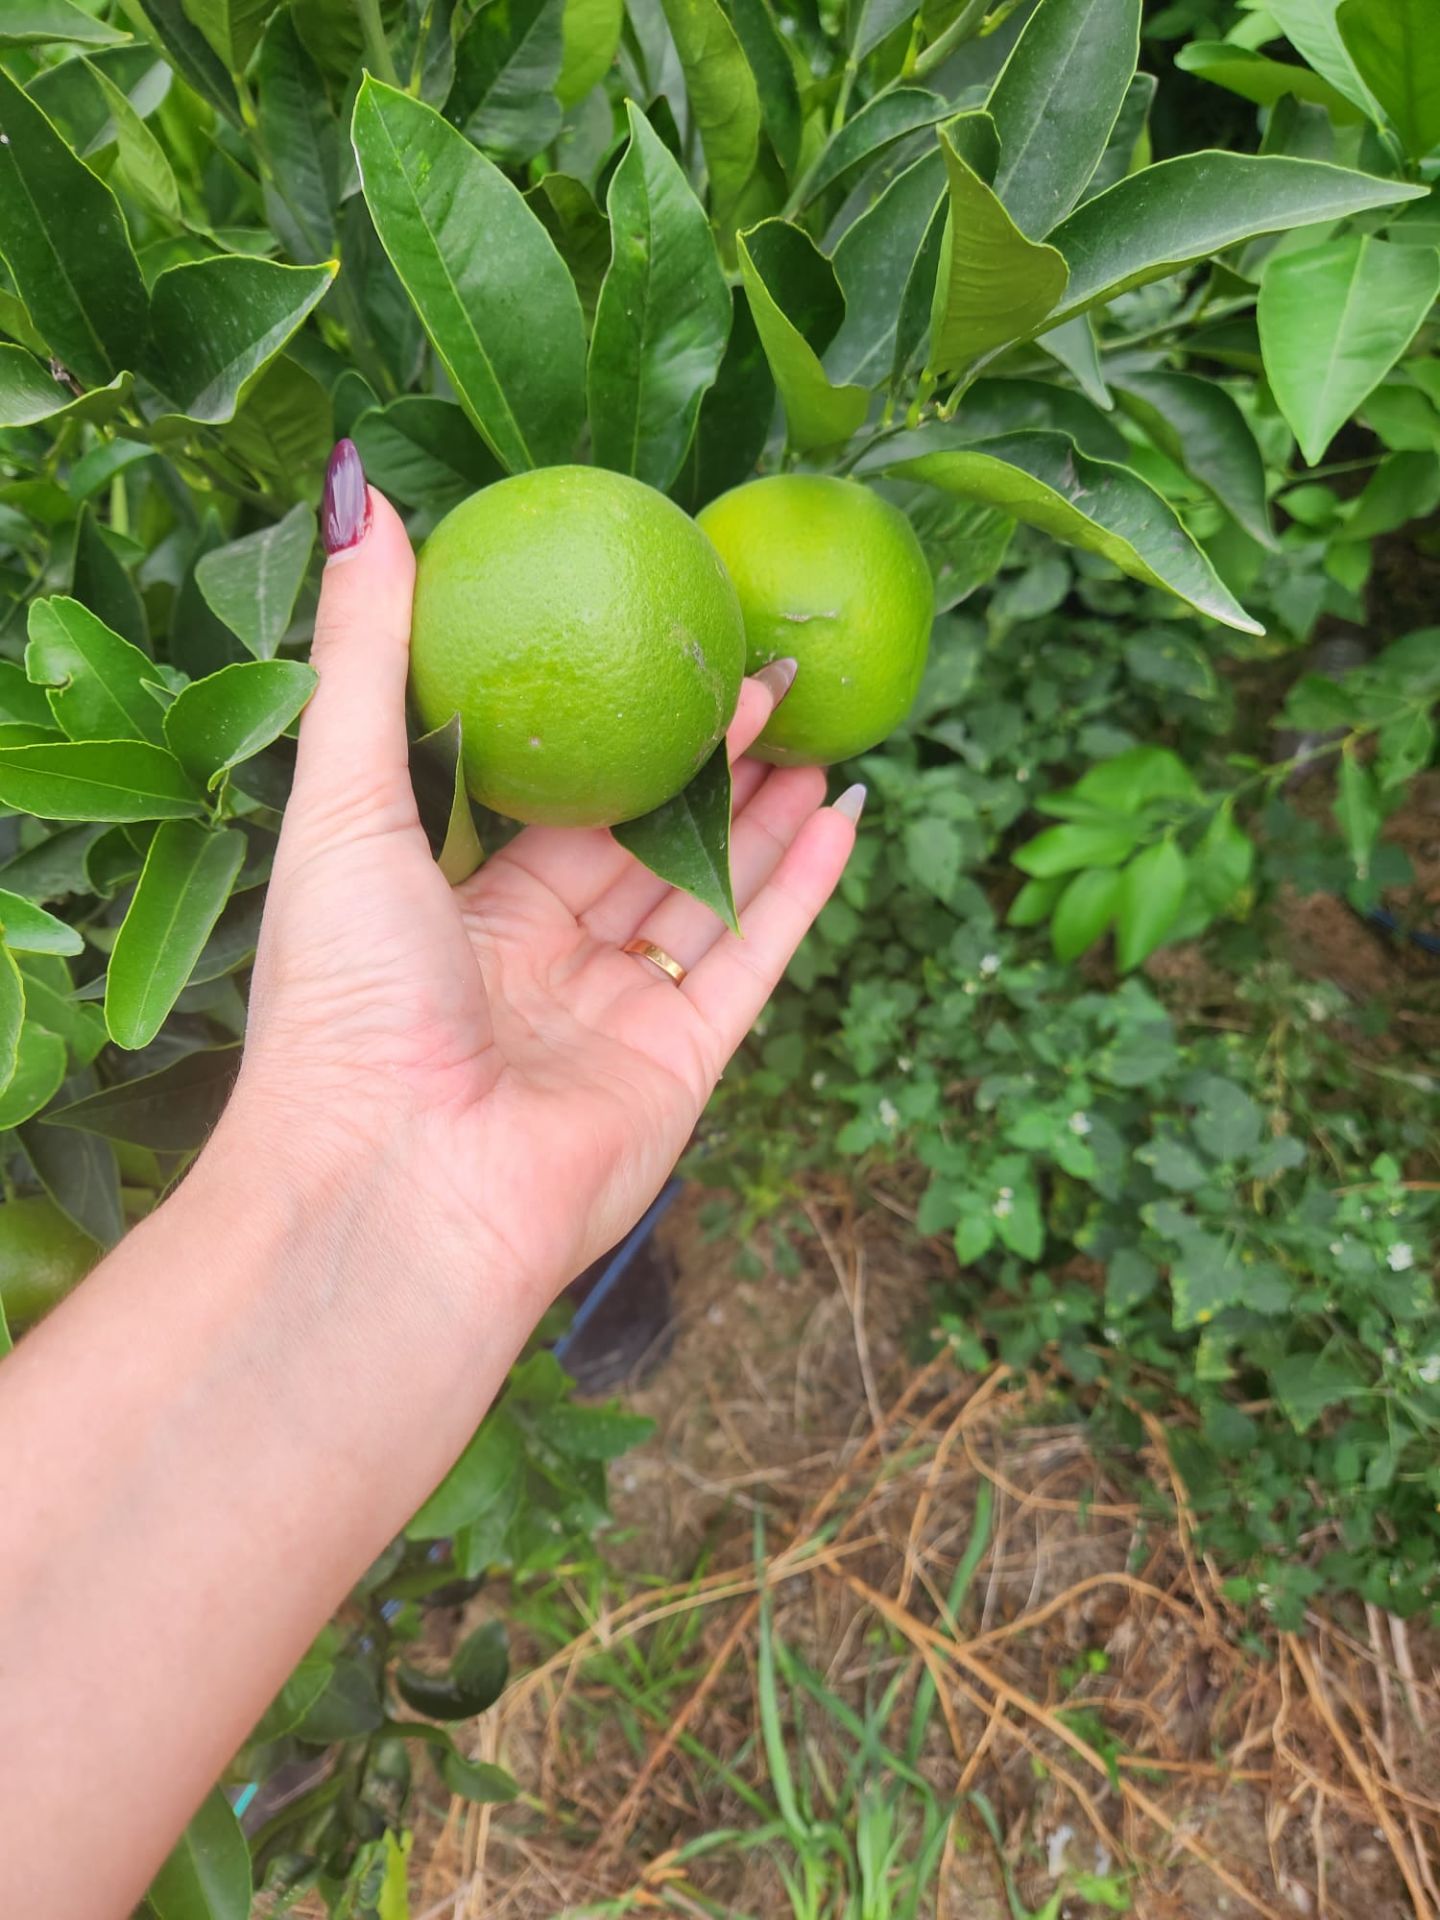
353, 761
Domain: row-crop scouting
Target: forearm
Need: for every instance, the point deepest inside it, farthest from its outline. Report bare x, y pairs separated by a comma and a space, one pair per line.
204, 1448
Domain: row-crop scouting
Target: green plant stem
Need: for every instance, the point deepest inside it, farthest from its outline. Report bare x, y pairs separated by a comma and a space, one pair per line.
963, 27
377, 48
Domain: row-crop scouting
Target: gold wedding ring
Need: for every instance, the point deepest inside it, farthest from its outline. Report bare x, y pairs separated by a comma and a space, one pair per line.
657, 956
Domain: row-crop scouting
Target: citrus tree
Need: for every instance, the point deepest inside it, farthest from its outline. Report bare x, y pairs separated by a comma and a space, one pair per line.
927, 247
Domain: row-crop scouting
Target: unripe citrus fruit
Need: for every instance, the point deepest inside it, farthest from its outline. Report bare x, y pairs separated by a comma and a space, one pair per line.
834, 576
588, 636
42, 1256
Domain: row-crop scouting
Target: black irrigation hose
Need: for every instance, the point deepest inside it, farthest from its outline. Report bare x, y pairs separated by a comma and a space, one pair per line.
1427, 942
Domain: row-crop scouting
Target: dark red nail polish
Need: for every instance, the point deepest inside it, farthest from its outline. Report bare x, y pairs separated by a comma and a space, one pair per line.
345, 510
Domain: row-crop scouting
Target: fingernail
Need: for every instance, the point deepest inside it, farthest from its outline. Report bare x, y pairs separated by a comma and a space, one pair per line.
778, 678
852, 801
345, 510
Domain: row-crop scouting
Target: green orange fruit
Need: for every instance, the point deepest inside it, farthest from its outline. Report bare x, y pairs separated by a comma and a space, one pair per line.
43, 1254
832, 575
587, 634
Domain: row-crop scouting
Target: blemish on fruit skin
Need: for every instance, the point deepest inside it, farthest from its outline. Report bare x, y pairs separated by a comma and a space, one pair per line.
534, 739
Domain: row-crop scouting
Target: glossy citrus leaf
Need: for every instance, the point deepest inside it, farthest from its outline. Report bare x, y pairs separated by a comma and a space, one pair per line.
113, 780
773, 266
687, 840
207, 1876
186, 880
1056, 102
462, 240
215, 723
663, 316
95, 681
252, 584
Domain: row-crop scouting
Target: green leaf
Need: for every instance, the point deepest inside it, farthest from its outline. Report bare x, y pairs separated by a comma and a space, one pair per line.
1206, 1277
1129, 142
994, 407
39, 1069
474, 1683
1406, 747
12, 1014
485, 1473
770, 61
27, 928
1202, 429
216, 324
252, 584
872, 263
80, 1173
29, 393
284, 428
1228, 1123
993, 285
303, 150
172, 1110
507, 64
566, 208
879, 123
1395, 48
663, 316
186, 880
1129, 781
1171, 215
1312, 28
1333, 320
21, 702
64, 239
194, 59
877, 20
437, 771
207, 1877
215, 723
1309, 1384
424, 451
232, 27
1152, 892
1254, 77
1073, 346
1358, 811
95, 681
143, 161
1056, 102
594, 1433
734, 416
1404, 487
723, 99
100, 579
36, 23
592, 30
1032, 906
1080, 843
687, 840
817, 413
1222, 861
463, 241
1084, 911
1042, 479
96, 780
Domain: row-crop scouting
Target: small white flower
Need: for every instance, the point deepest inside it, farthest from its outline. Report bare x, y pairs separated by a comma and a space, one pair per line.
969, 986
1401, 1257
1007, 1193
904, 1062
990, 964
1080, 1123
1003, 1208
1337, 1246
889, 1114
1022, 774
1430, 1371
817, 1080
1316, 1007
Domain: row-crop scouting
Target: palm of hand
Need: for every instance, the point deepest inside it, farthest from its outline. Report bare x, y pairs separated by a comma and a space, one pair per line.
546, 1081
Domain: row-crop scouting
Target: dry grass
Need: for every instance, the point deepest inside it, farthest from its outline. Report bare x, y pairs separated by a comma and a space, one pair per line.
1244, 1774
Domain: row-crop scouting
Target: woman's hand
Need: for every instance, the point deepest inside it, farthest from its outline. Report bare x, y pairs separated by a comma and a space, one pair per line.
449, 1102
527, 1080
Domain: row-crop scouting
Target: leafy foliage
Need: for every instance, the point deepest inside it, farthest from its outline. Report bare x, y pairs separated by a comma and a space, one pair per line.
931, 246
